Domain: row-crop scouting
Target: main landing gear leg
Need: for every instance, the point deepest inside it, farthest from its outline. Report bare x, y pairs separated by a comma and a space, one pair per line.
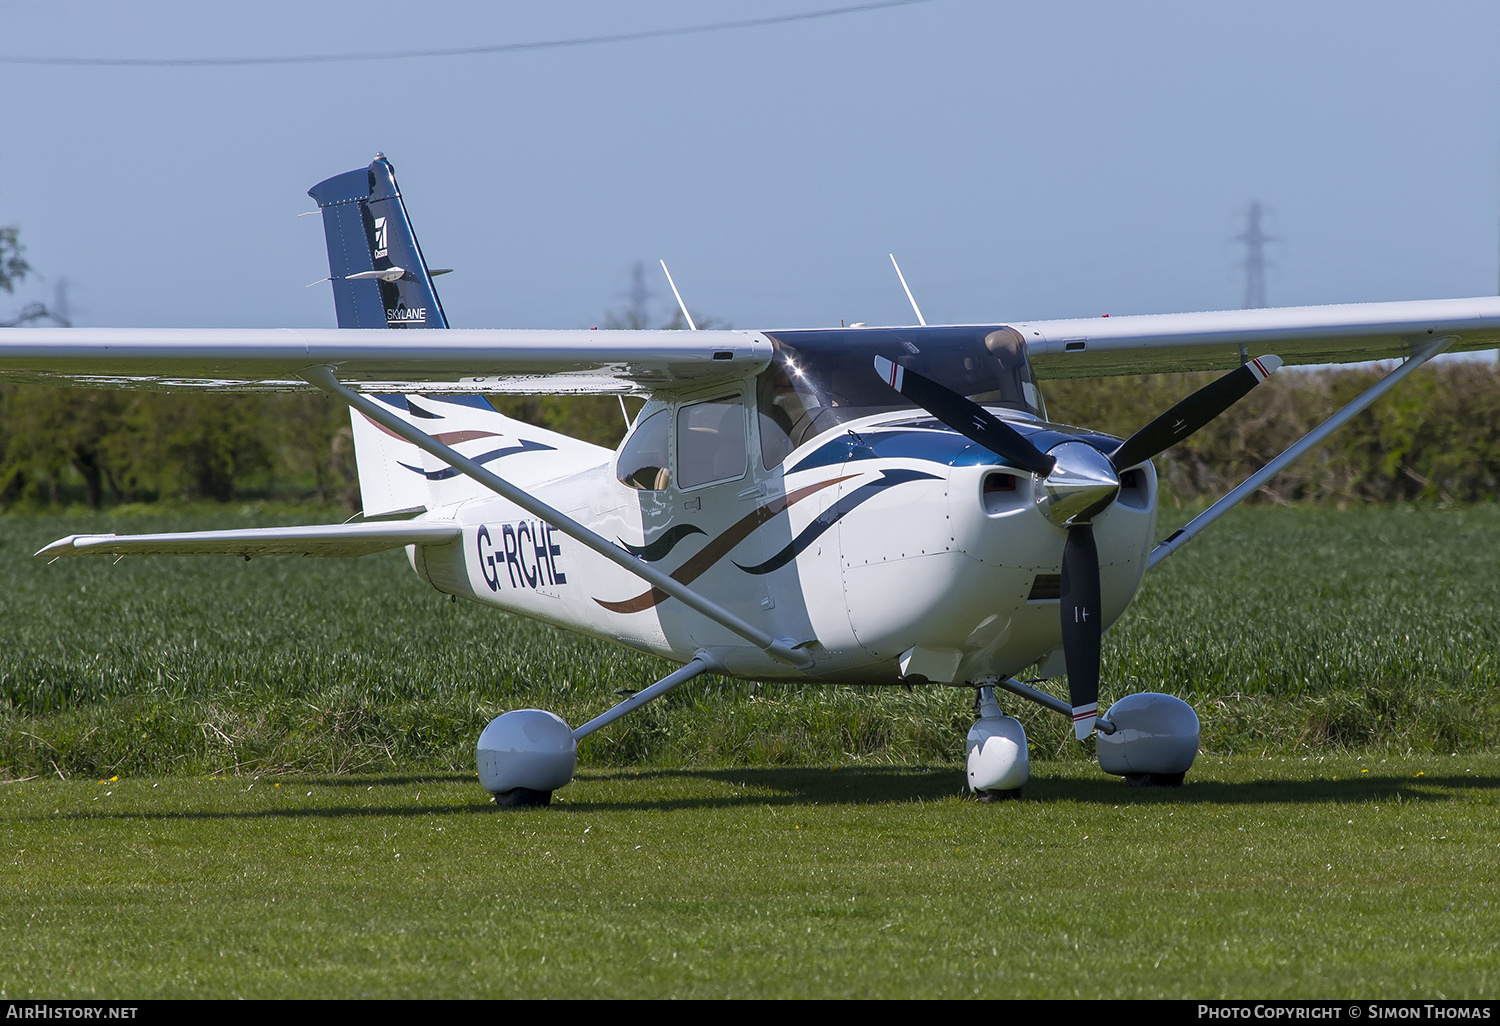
526, 754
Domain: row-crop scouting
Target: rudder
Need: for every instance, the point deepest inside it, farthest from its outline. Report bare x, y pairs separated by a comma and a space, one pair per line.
380, 279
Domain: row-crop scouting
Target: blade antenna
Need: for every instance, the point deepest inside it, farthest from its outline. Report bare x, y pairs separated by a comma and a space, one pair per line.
920, 319
680, 304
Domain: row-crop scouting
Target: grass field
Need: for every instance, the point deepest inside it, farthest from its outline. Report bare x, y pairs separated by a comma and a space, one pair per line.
255, 779
1261, 878
1289, 631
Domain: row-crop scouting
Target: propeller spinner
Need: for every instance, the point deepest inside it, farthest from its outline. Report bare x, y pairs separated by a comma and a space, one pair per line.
1074, 482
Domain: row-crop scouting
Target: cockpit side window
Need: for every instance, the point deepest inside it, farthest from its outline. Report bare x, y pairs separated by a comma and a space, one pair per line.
1018, 389
711, 442
782, 412
644, 460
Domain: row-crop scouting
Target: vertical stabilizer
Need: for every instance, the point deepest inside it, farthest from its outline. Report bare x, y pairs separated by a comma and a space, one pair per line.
380, 279
397, 477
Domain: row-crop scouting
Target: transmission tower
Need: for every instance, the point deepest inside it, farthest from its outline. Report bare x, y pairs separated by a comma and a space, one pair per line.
61, 312
638, 313
1255, 258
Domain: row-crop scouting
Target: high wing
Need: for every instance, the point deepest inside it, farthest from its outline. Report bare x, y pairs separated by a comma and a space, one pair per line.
643, 362
381, 360
1155, 343
322, 540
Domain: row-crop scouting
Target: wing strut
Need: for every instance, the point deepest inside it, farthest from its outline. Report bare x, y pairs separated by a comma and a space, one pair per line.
1180, 538
324, 378
702, 662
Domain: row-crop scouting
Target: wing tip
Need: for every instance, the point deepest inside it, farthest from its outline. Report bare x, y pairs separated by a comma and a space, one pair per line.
66, 546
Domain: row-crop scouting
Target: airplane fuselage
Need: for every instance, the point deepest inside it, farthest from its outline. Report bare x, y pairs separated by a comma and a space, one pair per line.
888, 548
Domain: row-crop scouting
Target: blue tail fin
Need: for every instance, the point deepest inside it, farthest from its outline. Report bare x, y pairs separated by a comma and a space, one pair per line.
379, 277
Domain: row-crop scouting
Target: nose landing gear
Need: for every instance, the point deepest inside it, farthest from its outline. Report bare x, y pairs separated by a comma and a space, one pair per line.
998, 765
1149, 739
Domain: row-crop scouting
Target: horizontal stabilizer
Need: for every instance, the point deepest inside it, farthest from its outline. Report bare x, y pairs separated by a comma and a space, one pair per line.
315, 540
388, 274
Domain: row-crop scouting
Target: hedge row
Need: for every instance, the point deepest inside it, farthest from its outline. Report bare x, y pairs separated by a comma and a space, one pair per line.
1435, 437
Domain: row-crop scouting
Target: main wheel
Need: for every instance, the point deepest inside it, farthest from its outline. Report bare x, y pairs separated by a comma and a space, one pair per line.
522, 797
998, 796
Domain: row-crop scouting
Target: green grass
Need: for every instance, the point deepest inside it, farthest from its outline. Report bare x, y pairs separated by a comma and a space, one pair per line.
1320, 627
1290, 630
708, 847
1280, 877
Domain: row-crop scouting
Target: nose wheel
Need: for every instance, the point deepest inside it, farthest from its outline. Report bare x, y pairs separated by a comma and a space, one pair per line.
998, 796
1155, 779
998, 765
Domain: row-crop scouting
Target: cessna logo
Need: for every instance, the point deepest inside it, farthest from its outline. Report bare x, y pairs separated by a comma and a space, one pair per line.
380, 244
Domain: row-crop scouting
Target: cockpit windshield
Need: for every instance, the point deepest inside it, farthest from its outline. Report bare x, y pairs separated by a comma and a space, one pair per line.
819, 379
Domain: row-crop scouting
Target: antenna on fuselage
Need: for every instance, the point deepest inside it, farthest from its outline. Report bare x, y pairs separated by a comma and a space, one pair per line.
680, 304
920, 319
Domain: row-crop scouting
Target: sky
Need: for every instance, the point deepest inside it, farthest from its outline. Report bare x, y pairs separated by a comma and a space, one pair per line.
1021, 160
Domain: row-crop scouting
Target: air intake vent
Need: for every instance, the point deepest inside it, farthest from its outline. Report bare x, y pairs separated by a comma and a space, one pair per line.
1045, 588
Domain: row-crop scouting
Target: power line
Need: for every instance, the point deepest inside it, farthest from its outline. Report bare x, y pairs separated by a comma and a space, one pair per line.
459, 51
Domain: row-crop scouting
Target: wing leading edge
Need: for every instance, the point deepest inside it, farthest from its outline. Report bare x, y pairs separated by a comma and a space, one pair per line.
1352, 333
645, 362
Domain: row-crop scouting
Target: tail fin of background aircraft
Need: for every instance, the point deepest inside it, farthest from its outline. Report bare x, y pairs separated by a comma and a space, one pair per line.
380, 279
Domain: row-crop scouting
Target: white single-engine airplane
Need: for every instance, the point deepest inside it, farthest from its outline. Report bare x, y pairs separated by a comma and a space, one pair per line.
856, 505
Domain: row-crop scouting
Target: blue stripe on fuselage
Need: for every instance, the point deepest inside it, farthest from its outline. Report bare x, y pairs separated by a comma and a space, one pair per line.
935, 446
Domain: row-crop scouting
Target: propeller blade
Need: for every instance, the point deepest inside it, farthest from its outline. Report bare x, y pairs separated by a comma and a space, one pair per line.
1193, 412
971, 420
1082, 626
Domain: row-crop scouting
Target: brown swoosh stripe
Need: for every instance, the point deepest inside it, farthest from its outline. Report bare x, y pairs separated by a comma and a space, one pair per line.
446, 437
454, 437
719, 547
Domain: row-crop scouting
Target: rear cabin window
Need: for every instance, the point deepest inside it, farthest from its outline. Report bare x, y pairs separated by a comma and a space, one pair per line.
643, 461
